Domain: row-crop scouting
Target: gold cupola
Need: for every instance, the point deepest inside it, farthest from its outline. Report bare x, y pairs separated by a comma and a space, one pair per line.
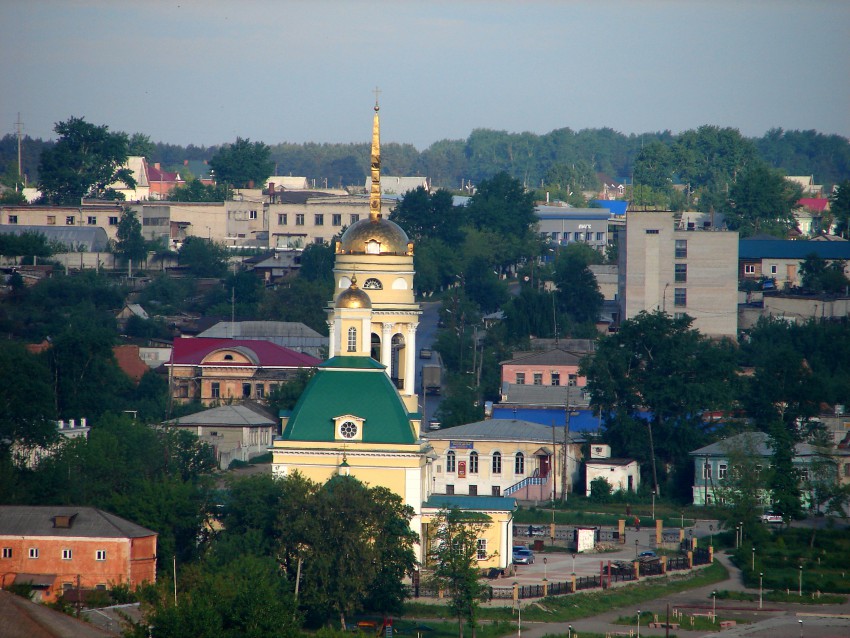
353, 297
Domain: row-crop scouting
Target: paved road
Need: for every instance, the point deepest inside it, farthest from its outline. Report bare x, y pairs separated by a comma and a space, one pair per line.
426, 333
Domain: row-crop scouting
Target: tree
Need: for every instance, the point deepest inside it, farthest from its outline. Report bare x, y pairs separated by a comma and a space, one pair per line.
762, 201
745, 486
130, 243
140, 145
840, 206
85, 160
27, 245
454, 551
425, 215
578, 293
652, 381
600, 490
820, 276
196, 191
204, 258
654, 167
242, 163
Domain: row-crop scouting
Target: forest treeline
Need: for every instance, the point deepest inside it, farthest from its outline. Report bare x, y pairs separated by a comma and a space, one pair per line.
533, 159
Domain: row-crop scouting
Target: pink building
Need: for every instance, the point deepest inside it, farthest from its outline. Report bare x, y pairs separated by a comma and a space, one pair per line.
555, 367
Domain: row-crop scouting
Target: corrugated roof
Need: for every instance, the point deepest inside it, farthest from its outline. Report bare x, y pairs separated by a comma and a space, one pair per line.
471, 503
268, 330
350, 385
92, 238
543, 395
584, 421
553, 357
788, 249
759, 442
31, 520
226, 415
496, 430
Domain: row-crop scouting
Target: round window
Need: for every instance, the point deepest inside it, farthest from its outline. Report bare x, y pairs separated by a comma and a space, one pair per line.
348, 430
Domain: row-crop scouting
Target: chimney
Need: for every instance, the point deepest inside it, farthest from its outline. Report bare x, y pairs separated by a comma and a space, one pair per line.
71, 423
186, 162
61, 424
271, 192
83, 422
156, 165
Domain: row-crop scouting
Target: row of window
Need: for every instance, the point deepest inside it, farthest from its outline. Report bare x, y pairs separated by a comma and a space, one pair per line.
318, 219
588, 236
259, 390
680, 247
750, 269
537, 378
723, 470
473, 490
70, 220
67, 554
496, 464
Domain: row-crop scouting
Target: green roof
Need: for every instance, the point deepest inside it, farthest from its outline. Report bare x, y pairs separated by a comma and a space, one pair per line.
350, 385
473, 503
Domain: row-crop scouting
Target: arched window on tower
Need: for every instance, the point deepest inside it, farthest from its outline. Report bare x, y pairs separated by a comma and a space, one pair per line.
372, 284
352, 339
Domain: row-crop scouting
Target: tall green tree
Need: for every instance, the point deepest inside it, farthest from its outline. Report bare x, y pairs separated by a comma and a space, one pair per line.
425, 215
578, 292
454, 550
762, 201
196, 191
85, 160
652, 381
26, 397
242, 163
819, 276
746, 484
204, 258
654, 167
130, 244
840, 207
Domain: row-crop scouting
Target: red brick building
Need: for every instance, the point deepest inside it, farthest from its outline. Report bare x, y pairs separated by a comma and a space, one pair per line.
56, 548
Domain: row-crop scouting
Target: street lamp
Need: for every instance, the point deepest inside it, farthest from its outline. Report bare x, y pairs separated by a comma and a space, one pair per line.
544, 568
683, 520
761, 576
737, 530
638, 624
711, 535
574, 563
636, 547
801, 628
653, 505
754, 559
714, 607
570, 631
800, 582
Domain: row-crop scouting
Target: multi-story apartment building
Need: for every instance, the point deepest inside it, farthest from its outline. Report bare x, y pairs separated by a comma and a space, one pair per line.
105, 216
561, 225
680, 270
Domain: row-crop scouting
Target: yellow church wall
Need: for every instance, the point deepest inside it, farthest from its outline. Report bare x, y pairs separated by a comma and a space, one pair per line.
499, 537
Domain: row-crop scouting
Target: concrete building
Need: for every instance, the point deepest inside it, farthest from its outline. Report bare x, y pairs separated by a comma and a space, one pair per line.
52, 219
679, 271
562, 225
621, 474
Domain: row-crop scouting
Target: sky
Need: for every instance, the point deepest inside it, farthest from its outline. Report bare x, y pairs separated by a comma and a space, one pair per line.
205, 72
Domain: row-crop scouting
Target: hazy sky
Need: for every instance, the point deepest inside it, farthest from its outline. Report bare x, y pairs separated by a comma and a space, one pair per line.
205, 72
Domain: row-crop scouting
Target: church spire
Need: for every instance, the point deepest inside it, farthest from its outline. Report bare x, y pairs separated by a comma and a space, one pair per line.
375, 191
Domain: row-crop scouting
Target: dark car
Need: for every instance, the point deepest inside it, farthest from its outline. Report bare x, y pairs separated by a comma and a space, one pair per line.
648, 554
523, 556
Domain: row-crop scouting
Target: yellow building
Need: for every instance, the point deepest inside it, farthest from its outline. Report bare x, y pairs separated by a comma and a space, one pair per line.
357, 415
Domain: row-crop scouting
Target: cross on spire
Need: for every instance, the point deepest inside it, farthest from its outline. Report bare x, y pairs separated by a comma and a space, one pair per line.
377, 92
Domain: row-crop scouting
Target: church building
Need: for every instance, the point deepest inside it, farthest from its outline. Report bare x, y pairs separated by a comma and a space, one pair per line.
358, 415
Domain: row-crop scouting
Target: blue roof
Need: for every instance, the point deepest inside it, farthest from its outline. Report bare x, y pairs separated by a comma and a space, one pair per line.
584, 421
474, 503
616, 206
792, 249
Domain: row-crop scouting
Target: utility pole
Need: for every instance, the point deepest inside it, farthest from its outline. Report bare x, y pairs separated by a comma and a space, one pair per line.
19, 126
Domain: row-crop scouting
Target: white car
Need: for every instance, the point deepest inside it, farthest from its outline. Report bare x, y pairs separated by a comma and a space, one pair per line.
770, 517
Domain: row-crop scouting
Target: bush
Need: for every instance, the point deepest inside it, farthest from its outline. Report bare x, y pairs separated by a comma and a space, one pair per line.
600, 490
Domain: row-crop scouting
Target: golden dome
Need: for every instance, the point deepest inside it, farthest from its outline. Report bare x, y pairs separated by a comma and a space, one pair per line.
353, 297
378, 237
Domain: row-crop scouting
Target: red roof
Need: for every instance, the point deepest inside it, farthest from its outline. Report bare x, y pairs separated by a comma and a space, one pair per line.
814, 203
158, 175
192, 351
130, 362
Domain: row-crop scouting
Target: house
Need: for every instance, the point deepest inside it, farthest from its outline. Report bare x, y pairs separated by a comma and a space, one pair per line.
162, 182
273, 266
554, 367
712, 463
172, 222
104, 216
810, 214
621, 474
26, 456
129, 359
679, 271
806, 184
139, 168
57, 548
235, 432
215, 370
289, 334
78, 239
505, 457
780, 259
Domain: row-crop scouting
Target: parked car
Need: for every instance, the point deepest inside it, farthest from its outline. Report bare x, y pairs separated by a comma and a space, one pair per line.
425, 353
648, 554
771, 517
523, 556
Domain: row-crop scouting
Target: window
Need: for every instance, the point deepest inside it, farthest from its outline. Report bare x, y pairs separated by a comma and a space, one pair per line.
450, 489
336, 219
91, 221
252, 214
372, 284
100, 554
13, 219
215, 389
473, 490
450, 462
681, 274
69, 220
651, 231
66, 554
519, 463
7, 552
600, 236
100, 587
847, 469
482, 549
473, 462
572, 380
299, 219
722, 470
51, 220
319, 240
538, 378
497, 462
33, 552
348, 430
520, 378
681, 248
113, 221
680, 297
804, 474
246, 390
496, 490
773, 269
281, 219
749, 269
556, 378
706, 471
352, 339
355, 218
578, 236
319, 219
261, 390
